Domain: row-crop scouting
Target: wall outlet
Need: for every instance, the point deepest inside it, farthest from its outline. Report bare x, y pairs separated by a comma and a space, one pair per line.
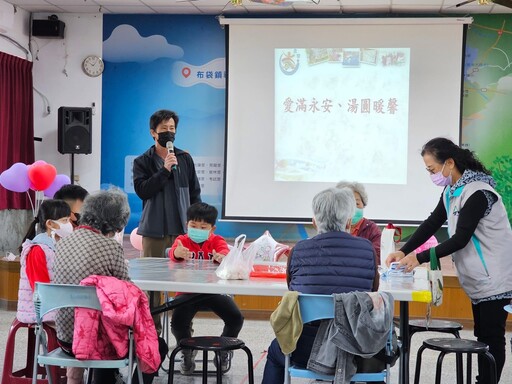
76, 178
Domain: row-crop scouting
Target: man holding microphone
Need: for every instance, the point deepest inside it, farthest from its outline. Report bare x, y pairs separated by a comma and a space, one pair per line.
164, 177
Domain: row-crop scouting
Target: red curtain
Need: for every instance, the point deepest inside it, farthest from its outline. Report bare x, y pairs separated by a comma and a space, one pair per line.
16, 123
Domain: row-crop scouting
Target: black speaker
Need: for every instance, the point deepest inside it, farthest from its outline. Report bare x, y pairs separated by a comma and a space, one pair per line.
75, 130
48, 28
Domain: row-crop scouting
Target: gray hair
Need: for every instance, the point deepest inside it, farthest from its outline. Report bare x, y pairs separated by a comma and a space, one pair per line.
333, 208
107, 211
355, 187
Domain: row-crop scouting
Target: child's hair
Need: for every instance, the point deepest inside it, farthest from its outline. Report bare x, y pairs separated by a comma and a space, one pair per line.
49, 210
71, 192
202, 212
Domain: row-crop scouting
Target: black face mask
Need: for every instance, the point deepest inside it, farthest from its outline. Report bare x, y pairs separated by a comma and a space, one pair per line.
77, 215
164, 137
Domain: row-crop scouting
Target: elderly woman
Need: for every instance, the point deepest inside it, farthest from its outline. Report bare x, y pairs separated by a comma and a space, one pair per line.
331, 262
91, 250
360, 226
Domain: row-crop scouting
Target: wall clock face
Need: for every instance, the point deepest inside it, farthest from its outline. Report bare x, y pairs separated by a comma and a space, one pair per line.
93, 66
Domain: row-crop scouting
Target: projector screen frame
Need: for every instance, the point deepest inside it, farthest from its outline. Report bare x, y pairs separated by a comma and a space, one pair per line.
385, 21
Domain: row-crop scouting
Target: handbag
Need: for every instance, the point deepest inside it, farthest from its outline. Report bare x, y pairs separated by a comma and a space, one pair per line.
435, 278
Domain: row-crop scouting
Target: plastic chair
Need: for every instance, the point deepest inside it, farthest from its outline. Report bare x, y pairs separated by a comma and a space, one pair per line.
49, 297
459, 347
24, 375
321, 307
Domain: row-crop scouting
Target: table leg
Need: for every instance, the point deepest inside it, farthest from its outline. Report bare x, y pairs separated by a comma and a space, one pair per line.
403, 372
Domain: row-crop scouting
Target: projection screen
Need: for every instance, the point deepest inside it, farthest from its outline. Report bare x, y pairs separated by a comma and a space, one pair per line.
311, 102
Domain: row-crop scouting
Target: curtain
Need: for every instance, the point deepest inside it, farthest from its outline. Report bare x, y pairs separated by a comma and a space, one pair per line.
16, 123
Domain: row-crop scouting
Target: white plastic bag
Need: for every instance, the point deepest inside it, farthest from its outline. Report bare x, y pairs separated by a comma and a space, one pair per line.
236, 265
387, 243
265, 248
436, 279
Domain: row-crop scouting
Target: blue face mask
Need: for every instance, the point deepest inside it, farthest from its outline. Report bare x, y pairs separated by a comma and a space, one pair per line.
358, 215
198, 235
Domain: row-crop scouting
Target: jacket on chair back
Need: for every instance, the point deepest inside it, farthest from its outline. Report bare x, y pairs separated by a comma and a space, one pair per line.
332, 262
104, 335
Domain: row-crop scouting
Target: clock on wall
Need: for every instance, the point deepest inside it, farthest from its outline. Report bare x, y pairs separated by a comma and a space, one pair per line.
93, 66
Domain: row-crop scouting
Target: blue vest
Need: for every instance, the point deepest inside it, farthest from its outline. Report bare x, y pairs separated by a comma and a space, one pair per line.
333, 262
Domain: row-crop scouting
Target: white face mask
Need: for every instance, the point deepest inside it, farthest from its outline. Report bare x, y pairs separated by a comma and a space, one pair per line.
64, 230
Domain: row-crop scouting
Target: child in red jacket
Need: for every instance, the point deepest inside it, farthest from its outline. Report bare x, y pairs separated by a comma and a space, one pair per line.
201, 243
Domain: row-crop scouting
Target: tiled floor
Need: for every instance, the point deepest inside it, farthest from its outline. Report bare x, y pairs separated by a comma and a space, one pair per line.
257, 335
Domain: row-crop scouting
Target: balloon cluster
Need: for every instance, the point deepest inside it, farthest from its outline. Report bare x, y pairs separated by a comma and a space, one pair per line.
38, 176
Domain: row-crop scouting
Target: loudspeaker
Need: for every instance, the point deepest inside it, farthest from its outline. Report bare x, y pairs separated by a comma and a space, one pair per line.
75, 130
48, 28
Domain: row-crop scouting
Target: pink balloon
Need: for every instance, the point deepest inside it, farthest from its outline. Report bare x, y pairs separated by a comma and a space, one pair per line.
58, 182
136, 240
15, 178
37, 162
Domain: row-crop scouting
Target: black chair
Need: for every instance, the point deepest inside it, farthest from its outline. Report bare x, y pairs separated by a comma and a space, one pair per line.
216, 344
442, 326
459, 347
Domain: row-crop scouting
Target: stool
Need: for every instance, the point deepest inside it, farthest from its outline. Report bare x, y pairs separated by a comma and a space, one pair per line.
216, 344
24, 376
442, 326
459, 347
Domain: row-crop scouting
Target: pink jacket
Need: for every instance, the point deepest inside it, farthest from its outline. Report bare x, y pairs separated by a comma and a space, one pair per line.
104, 335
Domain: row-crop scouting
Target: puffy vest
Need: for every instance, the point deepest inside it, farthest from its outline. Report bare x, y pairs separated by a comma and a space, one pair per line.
26, 312
333, 262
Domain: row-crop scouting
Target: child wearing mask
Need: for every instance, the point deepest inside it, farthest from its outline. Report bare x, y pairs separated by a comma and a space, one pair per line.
201, 243
38, 253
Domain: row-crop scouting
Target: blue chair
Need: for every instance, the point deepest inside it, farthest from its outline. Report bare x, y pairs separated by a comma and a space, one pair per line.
321, 307
49, 297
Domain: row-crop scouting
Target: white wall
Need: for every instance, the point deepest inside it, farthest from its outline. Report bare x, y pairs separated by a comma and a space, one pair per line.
59, 77
14, 25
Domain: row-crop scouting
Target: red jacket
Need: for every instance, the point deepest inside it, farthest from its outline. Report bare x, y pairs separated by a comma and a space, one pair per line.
201, 251
369, 230
104, 335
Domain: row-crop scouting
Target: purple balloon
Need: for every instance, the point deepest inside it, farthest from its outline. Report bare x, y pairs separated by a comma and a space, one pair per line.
57, 184
15, 179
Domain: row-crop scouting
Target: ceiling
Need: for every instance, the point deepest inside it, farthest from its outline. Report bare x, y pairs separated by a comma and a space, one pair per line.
248, 7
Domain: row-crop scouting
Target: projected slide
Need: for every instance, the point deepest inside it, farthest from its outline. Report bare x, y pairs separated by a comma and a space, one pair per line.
341, 114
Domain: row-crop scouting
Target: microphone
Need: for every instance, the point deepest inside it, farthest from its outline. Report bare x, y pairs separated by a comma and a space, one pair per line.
170, 149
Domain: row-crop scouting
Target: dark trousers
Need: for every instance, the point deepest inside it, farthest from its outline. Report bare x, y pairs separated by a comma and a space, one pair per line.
490, 319
274, 368
222, 305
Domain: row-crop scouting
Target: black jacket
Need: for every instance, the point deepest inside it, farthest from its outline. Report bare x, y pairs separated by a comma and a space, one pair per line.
165, 195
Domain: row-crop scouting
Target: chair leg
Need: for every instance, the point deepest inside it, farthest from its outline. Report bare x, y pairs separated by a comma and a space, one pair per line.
439, 367
459, 368
468, 369
218, 363
205, 366
418, 365
170, 376
492, 367
250, 368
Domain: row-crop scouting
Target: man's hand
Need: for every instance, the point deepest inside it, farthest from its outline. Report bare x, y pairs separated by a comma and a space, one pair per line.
170, 160
182, 252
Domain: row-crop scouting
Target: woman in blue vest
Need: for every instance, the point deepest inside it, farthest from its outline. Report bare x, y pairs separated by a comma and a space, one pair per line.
333, 261
480, 240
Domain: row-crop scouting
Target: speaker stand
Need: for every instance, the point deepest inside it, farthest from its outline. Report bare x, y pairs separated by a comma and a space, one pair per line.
72, 168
